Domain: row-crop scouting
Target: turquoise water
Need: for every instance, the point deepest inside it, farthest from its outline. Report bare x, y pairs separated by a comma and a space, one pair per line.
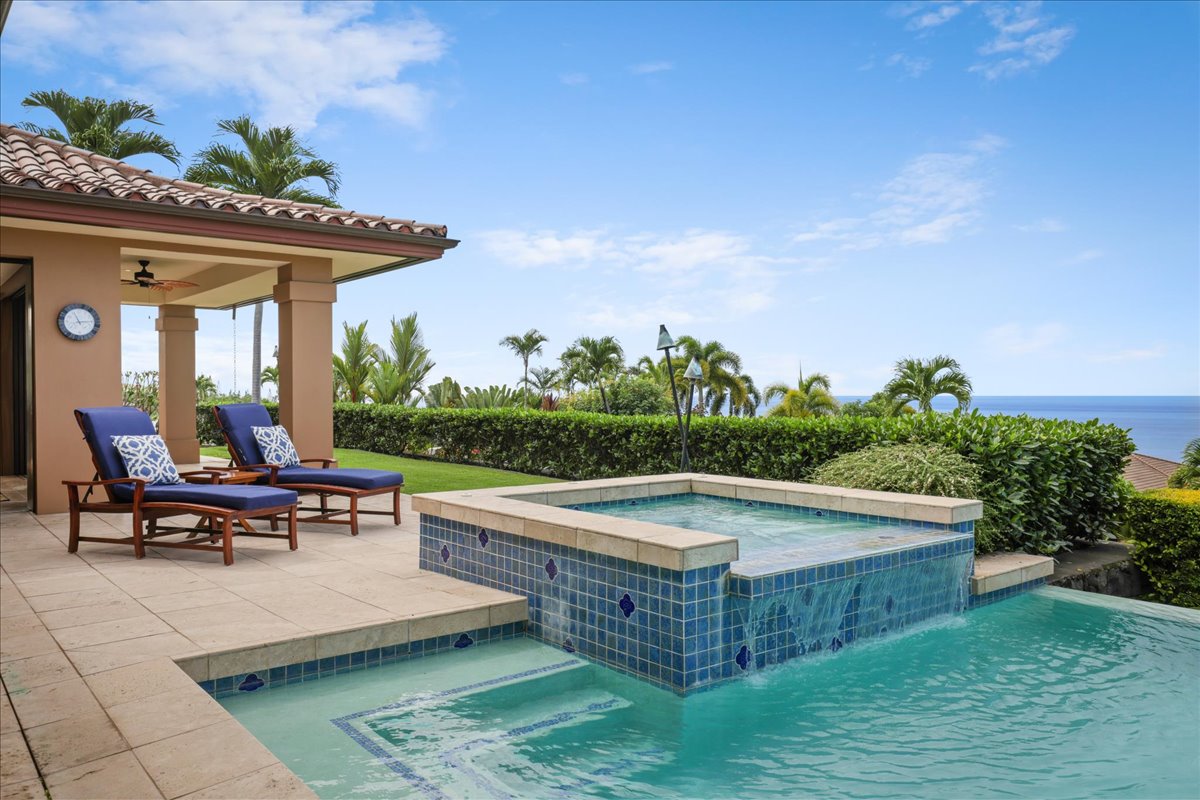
758, 529
1054, 694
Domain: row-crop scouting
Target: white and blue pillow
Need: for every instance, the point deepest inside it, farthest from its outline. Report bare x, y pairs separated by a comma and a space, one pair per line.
147, 457
276, 445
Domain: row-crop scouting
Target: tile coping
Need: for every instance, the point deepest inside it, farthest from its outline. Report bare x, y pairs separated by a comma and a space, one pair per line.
537, 512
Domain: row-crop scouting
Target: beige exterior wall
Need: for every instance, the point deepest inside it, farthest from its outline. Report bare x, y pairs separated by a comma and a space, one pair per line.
176, 326
68, 374
305, 294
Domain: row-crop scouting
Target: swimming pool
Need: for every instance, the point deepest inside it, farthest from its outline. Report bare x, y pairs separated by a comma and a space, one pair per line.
1050, 694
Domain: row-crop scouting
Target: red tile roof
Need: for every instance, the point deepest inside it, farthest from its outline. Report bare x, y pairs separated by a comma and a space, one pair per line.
1147, 472
32, 161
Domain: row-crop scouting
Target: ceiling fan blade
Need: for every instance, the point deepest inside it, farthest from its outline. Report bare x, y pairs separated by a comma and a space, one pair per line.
168, 285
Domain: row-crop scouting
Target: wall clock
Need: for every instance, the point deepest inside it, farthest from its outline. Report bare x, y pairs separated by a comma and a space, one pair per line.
78, 321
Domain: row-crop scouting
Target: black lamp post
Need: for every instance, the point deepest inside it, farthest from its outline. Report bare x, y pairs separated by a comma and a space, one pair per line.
665, 343
693, 375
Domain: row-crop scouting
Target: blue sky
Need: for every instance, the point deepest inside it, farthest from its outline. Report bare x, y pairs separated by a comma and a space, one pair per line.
1016, 185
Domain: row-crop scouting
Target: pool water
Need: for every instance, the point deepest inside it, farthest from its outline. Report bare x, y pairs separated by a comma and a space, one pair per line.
1052, 694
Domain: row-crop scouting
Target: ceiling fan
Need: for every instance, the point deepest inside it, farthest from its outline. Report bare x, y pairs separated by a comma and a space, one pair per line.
145, 278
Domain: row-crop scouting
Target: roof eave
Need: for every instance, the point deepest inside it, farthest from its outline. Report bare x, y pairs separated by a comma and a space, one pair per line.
360, 238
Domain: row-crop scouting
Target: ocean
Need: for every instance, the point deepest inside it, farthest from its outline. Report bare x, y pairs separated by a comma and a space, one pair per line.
1159, 426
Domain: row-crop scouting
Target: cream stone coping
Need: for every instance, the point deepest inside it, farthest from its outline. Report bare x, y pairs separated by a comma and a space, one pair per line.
997, 571
537, 512
100, 653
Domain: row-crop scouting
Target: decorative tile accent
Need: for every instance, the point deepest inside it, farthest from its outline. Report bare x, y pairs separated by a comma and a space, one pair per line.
445, 553
483, 537
743, 657
627, 606
551, 569
352, 662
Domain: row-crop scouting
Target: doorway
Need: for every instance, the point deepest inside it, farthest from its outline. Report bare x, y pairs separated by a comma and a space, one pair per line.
15, 381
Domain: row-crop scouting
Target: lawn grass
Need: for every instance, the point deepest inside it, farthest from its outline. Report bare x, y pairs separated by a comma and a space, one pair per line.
421, 475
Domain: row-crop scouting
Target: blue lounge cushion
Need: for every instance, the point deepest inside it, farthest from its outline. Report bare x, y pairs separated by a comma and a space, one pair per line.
148, 458
239, 498
276, 446
348, 478
101, 424
239, 420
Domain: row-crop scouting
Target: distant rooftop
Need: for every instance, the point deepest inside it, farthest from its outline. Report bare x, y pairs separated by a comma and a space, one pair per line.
35, 162
1147, 472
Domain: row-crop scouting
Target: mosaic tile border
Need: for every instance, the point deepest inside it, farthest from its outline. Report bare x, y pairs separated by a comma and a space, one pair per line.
978, 600
316, 669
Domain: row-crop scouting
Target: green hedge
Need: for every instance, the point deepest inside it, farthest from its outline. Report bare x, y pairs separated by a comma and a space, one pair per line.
1164, 527
1047, 480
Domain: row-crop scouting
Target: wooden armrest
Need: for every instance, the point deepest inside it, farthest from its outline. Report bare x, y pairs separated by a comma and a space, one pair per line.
326, 463
274, 470
108, 482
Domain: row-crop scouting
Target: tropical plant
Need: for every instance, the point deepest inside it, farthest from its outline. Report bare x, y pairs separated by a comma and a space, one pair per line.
273, 163
270, 375
206, 388
1164, 527
810, 397
384, 385
591, 361
352, 369
879, 405
491, 397
543, 383
526, 345
627, 394
752, 398
444, 394
919, 380
410, 359
1188, 475
99, 125
654, 371
140, 390
720, 366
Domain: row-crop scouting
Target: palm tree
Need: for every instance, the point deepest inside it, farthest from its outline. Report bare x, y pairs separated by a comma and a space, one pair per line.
491, 397
206, 388
410, 358
445, 394
99, 125
270, 375
528, 344
718, 364
592, 360
352, 369
919, 380
810, 397
272, 163
1188, 474
753, 398
384, 384
543, 382
654, 371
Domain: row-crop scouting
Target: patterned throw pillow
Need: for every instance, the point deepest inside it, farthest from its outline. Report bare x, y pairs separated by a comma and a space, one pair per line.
276, 446
147, 457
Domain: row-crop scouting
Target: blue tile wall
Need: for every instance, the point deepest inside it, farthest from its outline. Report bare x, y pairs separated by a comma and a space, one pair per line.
987, 598
352, 662
688, 629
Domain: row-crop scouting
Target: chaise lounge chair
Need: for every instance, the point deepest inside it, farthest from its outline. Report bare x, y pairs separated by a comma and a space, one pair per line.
237, 422
149, 501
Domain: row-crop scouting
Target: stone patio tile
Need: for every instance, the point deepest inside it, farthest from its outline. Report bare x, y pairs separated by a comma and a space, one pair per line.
81, 636
71, 742
12, 604
151, 577
196, 599
311, 607
137, 681
465, 620
205, 757
65, 580
115, 777
24, 641
77, 599
275, 782
16, 764
25, 790
26, 673
126, 608
160, 716
23, 562
230, 624
8, 718
52, 702
111, 655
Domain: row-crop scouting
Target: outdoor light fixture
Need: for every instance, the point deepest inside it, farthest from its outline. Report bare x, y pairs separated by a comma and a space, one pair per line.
665, 343
693, 375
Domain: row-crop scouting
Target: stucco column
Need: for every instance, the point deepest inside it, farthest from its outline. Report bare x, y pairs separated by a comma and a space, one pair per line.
176, 326
305, 294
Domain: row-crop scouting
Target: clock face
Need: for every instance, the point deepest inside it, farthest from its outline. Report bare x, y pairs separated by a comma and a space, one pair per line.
78, 321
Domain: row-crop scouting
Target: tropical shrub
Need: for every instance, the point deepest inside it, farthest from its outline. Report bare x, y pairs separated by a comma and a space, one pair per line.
1188, 474
1164, 526
626, 395
931, 469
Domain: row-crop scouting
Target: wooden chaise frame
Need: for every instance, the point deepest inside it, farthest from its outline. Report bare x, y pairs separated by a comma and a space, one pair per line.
148, 513
323, 514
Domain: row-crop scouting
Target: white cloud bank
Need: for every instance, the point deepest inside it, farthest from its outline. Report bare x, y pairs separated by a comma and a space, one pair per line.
291, 60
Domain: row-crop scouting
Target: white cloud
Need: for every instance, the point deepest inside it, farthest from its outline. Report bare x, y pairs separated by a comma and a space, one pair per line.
1085, 256
290, 60
650, 67
913, 66
922, 16
1043, 225
1014, 339
549, 248
932, 199
1024, 40
573, 78
1131, 354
